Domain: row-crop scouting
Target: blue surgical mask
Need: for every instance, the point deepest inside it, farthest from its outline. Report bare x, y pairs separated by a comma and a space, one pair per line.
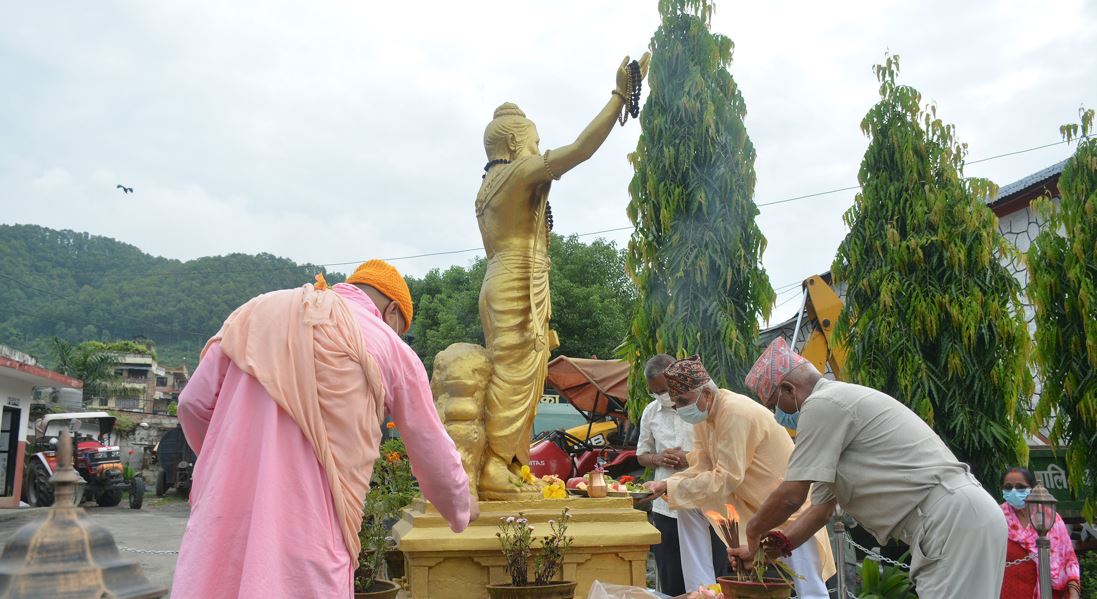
1016, 498
692, 414
785, 419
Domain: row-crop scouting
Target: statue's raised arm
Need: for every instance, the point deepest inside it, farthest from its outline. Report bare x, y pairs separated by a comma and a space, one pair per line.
565, 158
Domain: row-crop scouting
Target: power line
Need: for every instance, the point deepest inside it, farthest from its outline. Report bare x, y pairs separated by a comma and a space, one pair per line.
790, 298
480, 249
804, 197
1017, 152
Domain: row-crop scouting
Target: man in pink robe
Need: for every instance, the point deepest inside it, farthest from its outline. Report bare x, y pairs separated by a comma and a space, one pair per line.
287, 439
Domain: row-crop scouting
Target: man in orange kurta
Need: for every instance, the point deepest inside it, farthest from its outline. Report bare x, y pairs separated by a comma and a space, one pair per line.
739, 456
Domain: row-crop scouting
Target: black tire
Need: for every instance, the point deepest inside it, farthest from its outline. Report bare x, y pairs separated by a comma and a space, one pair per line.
183, 491
161, 483
109, 498
137, 493
39, 489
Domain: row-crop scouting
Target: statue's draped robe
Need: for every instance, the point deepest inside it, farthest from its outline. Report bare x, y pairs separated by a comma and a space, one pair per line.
515, 308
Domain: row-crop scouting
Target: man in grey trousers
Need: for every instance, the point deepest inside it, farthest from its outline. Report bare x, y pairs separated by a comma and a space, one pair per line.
863, 450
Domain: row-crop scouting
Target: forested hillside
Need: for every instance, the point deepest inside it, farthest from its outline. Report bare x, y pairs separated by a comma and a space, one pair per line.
82, 287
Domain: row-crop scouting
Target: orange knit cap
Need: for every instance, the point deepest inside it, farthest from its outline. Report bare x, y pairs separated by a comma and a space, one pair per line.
383, 277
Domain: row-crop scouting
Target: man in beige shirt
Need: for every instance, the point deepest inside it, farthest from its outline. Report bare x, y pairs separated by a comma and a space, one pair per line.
739, 457
870, 454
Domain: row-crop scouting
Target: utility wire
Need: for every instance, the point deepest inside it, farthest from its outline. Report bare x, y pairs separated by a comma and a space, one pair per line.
480, 249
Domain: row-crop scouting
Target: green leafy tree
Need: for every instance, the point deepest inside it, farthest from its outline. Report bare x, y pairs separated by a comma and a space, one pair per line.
446, 309
90, 363
695, 255
591, 300
1062, 264
932, 316
592, 296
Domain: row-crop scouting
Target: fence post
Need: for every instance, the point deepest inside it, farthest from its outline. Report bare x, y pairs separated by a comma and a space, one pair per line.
840, 551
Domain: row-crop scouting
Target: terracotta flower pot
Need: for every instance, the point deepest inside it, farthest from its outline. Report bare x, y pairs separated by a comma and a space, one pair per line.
380, 589
769, 588
555, 590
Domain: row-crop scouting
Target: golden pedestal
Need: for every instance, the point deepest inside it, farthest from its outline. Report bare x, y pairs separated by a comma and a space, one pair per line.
611, 542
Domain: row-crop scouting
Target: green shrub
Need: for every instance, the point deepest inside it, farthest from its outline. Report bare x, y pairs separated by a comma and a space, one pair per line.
1088, 561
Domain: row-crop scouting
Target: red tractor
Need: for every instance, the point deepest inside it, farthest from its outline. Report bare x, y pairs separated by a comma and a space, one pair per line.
98, 462
597, 389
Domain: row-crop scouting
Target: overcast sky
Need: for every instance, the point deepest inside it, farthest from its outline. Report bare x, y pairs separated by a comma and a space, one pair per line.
333, 132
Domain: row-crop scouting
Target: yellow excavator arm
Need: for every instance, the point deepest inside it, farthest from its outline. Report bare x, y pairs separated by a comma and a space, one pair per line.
823, 306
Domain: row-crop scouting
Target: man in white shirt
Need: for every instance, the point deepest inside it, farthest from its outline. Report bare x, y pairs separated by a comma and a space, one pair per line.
689, 555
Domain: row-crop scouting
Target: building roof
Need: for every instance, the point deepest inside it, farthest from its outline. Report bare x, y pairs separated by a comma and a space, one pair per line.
36, 375
1018, 194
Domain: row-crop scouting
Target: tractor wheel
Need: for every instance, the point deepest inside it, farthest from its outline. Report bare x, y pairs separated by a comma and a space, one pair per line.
137, 493
109, 498
161, 483
39, 489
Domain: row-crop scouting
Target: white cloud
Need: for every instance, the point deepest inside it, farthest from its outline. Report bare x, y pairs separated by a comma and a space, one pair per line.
250, 127
52, 180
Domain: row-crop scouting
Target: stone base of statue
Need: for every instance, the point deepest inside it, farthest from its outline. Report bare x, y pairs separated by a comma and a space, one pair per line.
611, 542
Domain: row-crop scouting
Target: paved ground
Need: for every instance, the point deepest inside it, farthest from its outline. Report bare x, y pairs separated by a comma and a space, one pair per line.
158, 526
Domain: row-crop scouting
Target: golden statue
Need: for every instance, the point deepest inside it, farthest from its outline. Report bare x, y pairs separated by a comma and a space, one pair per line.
513, 213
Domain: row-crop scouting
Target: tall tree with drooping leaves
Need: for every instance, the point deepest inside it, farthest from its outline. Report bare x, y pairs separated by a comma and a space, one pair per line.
933, 317
695, 255
1062, 266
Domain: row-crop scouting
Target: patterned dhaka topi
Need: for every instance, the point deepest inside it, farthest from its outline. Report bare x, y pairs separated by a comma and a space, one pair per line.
686, 375
767, 373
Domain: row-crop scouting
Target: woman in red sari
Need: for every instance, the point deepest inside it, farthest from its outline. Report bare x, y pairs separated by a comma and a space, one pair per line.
1021, 580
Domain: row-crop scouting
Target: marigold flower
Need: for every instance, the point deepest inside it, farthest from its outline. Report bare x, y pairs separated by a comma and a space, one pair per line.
321, 283
393, 457
390, 425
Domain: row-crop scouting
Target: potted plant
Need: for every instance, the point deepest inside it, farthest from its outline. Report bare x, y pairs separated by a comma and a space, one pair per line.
756, 584
516, 537
374, 536
395, 488
392, 488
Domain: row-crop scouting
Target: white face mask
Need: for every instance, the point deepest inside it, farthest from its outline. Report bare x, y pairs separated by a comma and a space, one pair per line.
663, 399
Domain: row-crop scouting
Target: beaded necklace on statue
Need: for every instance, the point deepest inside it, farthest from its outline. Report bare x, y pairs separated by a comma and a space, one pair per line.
632, 101
548, 169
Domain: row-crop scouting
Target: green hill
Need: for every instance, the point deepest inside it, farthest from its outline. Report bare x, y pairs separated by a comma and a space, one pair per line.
82, 287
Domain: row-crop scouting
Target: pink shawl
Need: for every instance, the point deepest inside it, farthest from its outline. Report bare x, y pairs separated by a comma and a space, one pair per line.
1064, 562
306, 349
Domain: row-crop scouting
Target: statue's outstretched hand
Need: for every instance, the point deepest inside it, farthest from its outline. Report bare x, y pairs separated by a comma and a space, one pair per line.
644, 61
622, 72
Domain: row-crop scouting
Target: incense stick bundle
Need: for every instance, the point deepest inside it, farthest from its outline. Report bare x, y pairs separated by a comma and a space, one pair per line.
732, 529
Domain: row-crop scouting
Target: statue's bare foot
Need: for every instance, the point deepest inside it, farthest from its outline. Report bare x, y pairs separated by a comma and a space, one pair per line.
497, 482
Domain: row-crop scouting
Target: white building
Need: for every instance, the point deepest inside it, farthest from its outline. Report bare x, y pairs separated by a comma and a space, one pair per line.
19, 375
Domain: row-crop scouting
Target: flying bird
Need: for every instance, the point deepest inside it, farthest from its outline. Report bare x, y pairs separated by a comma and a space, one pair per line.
124, 188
